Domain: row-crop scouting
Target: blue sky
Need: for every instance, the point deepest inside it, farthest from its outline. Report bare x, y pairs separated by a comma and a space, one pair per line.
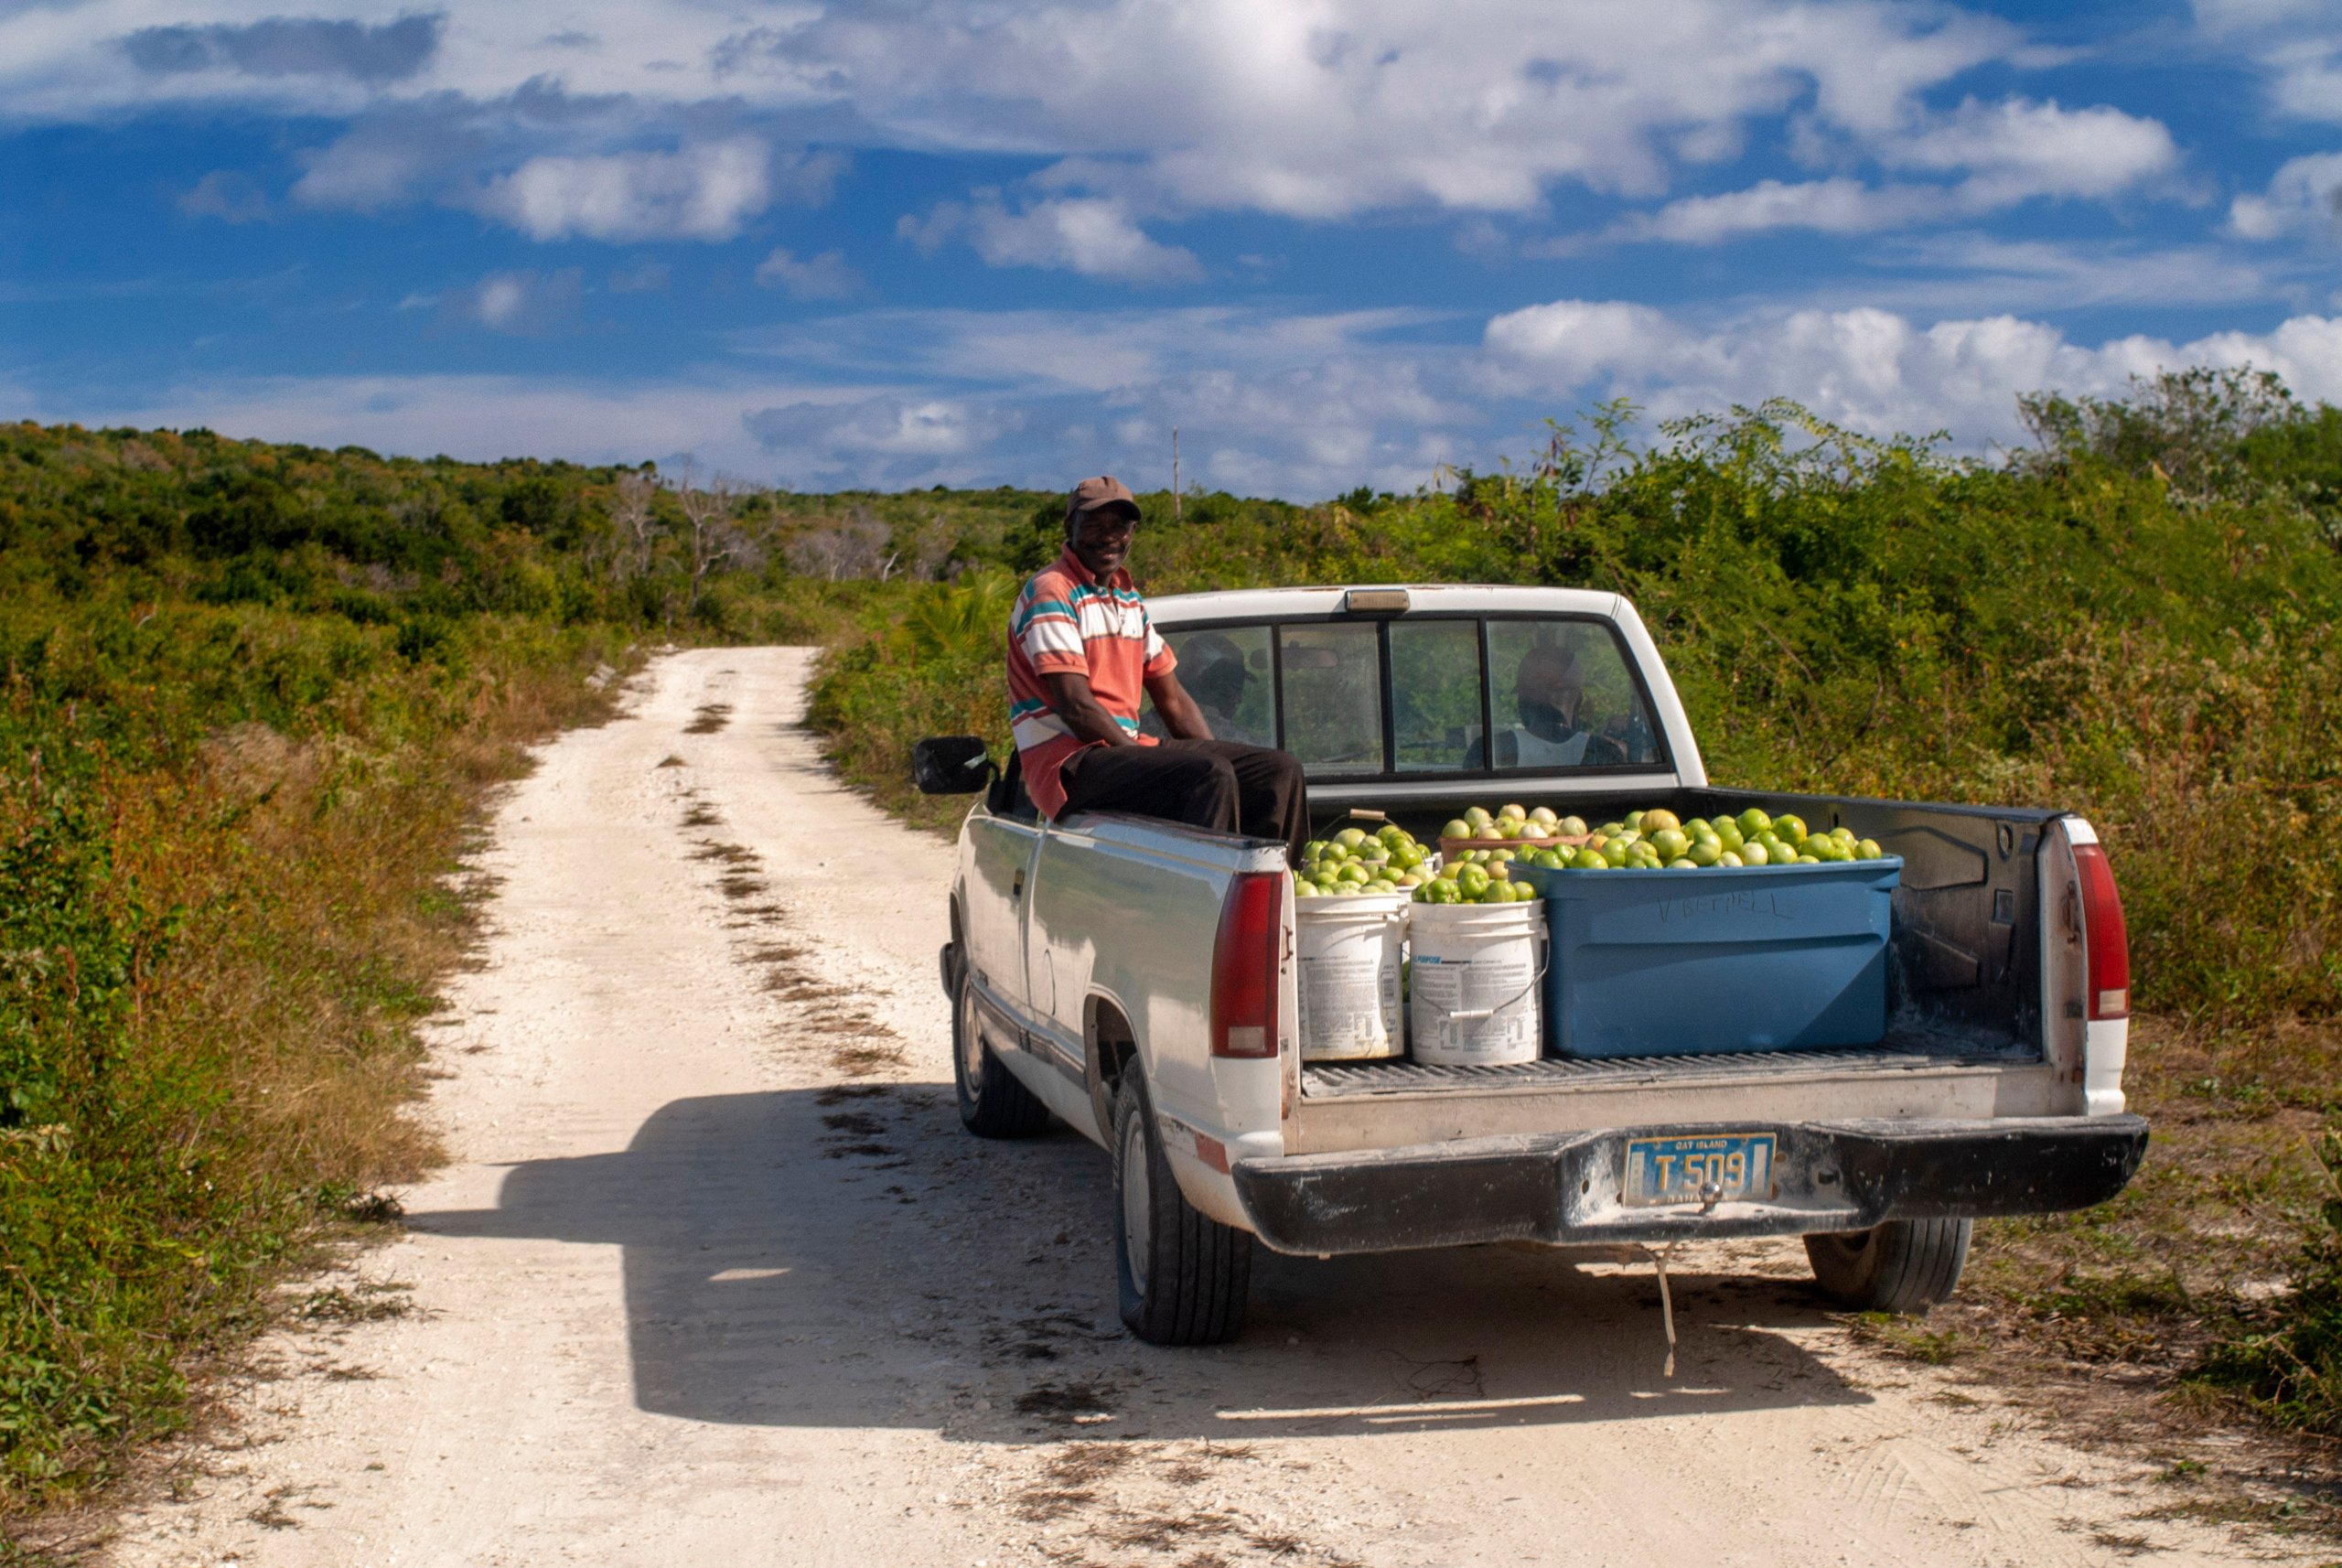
976, 241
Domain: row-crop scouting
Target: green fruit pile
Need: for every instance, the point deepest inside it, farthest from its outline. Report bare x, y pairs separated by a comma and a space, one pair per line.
1655, 840
1354, 861
1508, 824
1476, 877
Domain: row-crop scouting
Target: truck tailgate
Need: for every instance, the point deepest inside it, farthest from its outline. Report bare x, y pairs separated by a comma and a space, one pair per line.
1393, 1105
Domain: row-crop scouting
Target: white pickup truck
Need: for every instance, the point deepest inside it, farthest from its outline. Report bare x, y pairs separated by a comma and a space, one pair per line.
1136, 979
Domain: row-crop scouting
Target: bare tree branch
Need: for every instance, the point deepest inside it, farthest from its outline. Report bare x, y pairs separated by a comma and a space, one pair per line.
713, 536
636, 525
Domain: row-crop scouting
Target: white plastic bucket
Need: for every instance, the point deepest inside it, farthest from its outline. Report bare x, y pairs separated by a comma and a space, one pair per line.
1348, 948
1475, 982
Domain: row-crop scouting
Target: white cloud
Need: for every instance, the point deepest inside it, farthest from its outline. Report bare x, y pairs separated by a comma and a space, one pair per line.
289, 46
1979, 274
524, 303
1092, 352
825, 276
2305, 196
890, 438
1869, 369
378, 162
475, 417
1094, 236
2298, 43
2014, 149
2007, 153
1837, 206
702, 192
1309, 110
1303, 108
229, 194
1297, 405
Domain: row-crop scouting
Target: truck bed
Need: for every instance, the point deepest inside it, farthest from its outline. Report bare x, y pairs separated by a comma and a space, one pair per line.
1903, 1053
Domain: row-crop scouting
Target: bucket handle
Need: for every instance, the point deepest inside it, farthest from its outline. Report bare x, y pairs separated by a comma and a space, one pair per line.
1545, 960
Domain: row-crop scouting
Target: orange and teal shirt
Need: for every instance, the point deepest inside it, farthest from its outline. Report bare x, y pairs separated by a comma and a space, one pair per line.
1068, 621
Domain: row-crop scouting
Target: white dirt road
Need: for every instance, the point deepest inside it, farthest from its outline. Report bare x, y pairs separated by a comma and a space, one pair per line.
714, 1277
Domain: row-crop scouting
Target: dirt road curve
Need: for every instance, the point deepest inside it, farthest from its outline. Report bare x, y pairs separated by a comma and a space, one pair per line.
715, 1278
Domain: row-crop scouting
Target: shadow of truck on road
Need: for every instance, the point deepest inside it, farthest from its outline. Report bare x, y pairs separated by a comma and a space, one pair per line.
849, 1257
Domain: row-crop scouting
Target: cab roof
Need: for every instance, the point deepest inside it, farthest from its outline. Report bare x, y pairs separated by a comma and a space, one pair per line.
1450, 599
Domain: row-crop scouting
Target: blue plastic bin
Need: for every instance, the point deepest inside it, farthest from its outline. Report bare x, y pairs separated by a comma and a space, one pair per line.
1760, 958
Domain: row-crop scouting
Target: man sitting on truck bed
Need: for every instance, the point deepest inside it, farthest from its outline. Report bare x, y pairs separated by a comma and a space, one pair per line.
1081, 651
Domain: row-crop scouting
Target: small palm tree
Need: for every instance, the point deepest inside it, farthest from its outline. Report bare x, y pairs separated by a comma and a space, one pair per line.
966, 619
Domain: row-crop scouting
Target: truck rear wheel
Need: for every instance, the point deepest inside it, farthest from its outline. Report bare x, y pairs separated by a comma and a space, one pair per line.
1904, 1265
1185, 1277
993, 1103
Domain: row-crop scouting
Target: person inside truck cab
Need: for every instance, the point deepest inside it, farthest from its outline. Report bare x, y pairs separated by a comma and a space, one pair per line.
1081, 651
1219, 679
1549, 699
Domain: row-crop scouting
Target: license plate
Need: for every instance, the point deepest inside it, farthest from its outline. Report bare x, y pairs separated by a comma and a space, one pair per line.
1726, 1166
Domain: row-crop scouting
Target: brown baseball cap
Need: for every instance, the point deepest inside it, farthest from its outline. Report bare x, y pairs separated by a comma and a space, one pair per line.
1103, 490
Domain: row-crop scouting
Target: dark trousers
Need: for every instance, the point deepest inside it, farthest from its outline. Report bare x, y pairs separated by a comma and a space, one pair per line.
1217, 784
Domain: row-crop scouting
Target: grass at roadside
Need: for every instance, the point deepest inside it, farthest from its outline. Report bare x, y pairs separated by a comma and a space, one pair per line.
227, 835
2199, 1303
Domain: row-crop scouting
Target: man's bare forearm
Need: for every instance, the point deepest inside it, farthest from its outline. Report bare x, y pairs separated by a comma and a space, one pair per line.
1072, 700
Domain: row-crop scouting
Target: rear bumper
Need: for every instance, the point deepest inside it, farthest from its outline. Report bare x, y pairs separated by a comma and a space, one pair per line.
1565, 1188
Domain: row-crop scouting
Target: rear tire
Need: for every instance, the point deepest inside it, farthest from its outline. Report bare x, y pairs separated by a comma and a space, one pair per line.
1904, 1265
1186, 1278
993, 1103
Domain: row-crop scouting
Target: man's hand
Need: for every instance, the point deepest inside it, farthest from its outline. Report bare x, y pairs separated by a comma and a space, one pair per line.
1072, 699
1180, 716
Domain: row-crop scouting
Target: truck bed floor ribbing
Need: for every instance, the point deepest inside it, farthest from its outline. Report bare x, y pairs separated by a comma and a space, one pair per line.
1340, 1081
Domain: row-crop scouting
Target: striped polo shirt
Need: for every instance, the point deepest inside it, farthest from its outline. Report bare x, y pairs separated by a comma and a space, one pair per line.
1066, 620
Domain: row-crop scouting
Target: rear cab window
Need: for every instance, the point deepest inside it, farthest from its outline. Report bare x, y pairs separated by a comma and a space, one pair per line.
1363, 697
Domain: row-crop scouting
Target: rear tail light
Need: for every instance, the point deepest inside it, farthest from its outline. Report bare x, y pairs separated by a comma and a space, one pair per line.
1245, 967
2109, 943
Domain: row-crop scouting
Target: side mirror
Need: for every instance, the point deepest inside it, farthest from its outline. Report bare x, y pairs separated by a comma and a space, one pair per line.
950, 765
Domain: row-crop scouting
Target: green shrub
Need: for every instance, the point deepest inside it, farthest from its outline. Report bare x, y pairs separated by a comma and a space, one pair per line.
2288, 1365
